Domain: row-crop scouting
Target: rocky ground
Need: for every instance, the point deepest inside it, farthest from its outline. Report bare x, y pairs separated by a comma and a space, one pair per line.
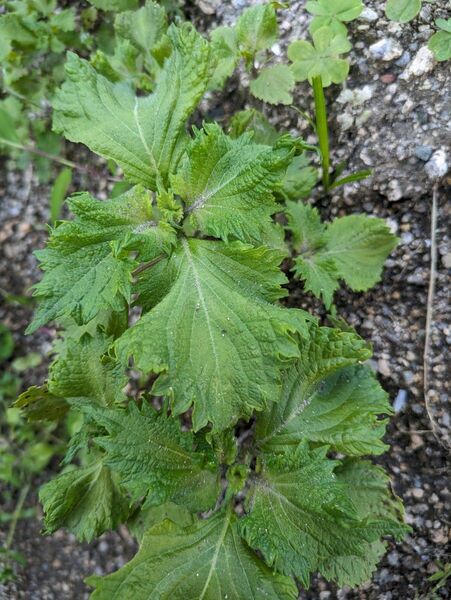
392, 116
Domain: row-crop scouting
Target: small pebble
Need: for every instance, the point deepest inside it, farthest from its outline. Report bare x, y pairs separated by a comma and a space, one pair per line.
386, 49
400, 401
388, 78
422, 63
408, 377
103, 547
368, 14
208, 7
424, 153
406, 238
417, 493
393, 558
383, 367
437, 166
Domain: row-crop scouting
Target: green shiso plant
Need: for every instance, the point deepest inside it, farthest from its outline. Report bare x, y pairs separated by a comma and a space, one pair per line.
229, 431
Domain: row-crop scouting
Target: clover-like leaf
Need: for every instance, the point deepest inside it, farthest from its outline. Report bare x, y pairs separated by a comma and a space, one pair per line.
145, 136
343, 10
353, 248
158, 461
444, 24
227, 184
402, 10
328, 397
87, 261
322, 59
221, 340
333, 13
274, 85
85, 500
440, 42
205, 561
299, 515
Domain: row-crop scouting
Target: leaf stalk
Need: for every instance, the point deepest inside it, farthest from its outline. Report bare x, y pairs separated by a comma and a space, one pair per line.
322, 129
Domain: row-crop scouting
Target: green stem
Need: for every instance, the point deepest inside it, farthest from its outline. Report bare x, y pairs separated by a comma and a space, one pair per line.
16, 514
57, 159
38, 152
321, 129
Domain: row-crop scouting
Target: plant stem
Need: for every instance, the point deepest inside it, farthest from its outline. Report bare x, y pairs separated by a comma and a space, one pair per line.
16, 514
58, 159
322, 129
62, 161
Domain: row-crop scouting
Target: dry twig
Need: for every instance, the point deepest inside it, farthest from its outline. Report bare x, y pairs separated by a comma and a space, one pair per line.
429, 318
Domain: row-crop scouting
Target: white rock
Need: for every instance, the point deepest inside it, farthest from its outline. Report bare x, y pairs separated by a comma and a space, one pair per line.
404, 60
346, 120
345, 96
276, 49
383, 367
363, 94
386, 49
394, 191
406, 238
417, 493
367, 159
437, 166
368, 14
423, 62
209, 7
393, 225
356, 96
400, 401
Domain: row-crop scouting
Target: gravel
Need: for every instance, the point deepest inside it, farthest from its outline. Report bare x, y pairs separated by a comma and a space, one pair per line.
393, 116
